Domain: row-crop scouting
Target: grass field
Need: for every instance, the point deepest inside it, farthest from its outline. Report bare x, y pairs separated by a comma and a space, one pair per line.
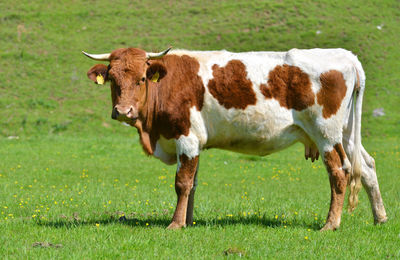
75, 184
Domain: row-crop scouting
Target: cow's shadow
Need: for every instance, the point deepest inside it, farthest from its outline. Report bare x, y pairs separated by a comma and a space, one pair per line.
164, 222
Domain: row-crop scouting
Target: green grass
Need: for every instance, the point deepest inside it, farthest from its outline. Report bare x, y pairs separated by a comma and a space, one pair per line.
264, 207
74, 173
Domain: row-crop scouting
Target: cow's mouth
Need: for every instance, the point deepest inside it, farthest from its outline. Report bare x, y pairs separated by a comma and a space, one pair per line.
128, 120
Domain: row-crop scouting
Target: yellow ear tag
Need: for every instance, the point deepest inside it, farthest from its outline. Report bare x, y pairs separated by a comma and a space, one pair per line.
155, 77
100, 79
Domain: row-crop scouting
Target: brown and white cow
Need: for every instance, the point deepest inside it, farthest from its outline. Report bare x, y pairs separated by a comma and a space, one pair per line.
182, 102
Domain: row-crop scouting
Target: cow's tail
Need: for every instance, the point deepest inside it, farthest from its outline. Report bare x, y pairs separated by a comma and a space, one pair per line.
356, 164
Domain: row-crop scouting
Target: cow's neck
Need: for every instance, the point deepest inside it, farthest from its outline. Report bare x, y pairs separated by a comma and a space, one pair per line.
144, 126
147, 123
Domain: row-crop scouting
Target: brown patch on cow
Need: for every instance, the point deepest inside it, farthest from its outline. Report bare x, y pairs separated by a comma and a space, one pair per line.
333, 89
339, 149
290, 86
338, 181
231, 87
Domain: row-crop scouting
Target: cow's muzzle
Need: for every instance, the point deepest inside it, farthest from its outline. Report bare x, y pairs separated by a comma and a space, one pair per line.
124, 114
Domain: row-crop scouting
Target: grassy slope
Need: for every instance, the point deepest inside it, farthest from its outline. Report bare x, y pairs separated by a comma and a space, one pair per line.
43, 80
71, 148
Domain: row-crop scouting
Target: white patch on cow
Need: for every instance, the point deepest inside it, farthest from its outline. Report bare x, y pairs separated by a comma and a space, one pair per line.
317, 61
191, 144
259, 129
188, 145
346, 165
197, 126
160, 153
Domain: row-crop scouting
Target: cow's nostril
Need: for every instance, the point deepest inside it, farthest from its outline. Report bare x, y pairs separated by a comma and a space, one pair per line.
114, 113
129, 114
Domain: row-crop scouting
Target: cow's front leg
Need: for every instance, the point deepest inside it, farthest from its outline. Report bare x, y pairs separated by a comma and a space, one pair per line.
184, 180
190, 207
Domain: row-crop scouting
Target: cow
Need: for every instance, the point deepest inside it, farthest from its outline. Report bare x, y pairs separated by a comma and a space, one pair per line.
182, 102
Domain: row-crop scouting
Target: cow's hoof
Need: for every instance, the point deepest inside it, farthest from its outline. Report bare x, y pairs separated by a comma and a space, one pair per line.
175, 225
382, 220
329, 226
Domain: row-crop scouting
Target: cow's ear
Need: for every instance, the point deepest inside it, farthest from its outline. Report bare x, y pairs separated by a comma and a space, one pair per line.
156, 71
98, 73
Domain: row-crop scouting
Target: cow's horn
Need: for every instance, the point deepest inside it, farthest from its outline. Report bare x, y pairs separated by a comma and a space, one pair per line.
152, 56
104, 57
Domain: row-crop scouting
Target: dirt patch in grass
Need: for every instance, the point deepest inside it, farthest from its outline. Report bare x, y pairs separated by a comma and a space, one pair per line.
46, 245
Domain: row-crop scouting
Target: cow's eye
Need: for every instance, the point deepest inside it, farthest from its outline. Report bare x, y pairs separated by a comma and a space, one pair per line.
141, 81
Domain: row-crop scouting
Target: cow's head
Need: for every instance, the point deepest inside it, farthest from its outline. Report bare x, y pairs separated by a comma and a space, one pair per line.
129, 71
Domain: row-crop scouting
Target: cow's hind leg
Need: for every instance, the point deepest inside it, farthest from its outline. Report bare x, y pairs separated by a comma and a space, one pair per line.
183, 185
370, 183
338, 167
